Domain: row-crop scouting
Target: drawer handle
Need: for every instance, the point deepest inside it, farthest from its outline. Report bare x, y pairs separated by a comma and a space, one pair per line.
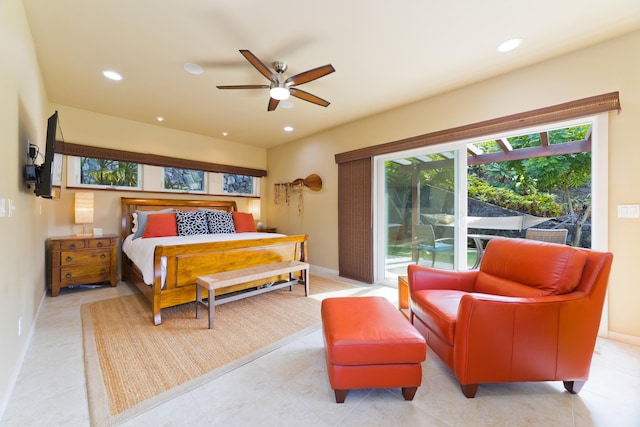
99, 244
69, 258
72, 246
103, 271
103, 256
68, 275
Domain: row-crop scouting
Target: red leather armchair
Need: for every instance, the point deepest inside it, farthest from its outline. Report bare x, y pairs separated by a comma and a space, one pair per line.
530, 313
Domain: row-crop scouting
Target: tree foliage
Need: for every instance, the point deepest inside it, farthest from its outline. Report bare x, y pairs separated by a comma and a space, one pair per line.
108, 172
552, 186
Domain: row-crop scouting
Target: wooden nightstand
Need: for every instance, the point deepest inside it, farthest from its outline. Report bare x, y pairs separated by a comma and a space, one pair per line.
80, 260
268, 230
403, 295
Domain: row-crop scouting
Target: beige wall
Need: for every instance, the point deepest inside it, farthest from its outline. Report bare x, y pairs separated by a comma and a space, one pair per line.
22, 117
600, 69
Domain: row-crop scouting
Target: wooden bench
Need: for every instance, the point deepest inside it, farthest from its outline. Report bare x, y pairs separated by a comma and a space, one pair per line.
211, 282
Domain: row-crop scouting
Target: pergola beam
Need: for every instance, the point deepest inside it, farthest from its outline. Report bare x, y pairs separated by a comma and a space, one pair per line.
530, 152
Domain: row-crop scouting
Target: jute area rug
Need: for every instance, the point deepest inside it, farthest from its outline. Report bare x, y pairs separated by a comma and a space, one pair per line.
132, 365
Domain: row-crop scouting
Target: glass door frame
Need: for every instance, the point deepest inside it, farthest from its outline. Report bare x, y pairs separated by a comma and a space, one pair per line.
380, 235
599, 190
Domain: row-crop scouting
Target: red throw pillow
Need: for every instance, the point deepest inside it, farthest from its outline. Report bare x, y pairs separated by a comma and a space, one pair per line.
161, 225
243, 222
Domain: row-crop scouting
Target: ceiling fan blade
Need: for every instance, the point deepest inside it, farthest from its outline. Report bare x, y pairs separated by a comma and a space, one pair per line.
273, 103
259, 65
244, 87
310, 75
306, 96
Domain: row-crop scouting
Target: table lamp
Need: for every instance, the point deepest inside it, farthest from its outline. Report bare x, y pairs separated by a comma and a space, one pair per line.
83, 209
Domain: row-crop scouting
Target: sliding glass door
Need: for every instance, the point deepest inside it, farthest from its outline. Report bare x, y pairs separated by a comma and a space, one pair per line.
550, 178
417, 208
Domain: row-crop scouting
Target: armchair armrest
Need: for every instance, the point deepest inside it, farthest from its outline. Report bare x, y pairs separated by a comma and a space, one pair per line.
513, 337
421, 278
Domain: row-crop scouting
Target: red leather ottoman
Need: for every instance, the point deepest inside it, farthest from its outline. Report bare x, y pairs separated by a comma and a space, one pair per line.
370, 344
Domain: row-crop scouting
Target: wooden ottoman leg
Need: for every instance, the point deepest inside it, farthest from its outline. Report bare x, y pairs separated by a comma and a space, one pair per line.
341, 395
409, 392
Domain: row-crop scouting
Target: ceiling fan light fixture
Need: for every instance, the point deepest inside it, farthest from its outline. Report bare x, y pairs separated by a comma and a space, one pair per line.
279, 93
280, 86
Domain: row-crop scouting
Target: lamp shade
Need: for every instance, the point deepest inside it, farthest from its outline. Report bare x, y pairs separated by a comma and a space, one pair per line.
254, 208
83, 207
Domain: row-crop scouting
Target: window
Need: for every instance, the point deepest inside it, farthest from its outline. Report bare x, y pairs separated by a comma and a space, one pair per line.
106, 173
237, 184
184, 180
546, 175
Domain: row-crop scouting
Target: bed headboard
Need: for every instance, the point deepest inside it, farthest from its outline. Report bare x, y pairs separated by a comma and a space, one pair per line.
130, 205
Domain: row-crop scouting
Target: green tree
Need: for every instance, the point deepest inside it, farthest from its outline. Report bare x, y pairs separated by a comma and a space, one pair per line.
562, 174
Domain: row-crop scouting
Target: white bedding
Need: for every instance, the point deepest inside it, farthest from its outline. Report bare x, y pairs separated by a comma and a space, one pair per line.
140, 250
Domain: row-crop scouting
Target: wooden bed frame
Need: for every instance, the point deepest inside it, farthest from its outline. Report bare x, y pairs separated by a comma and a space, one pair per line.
188, 261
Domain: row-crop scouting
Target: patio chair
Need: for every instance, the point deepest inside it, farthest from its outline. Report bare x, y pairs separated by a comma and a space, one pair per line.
556, 235
427, 242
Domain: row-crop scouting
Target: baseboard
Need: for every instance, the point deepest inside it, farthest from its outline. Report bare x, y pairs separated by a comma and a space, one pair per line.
333, 274
323, 271
627, 339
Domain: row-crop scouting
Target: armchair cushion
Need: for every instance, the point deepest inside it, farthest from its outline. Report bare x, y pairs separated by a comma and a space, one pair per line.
518, 268
439, 307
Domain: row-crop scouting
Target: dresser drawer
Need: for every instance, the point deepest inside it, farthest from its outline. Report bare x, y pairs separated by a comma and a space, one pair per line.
87, 274
99, 243
72, 244
68, 258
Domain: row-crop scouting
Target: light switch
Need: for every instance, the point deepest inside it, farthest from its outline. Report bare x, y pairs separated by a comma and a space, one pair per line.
12, 207
628, 211
3, 210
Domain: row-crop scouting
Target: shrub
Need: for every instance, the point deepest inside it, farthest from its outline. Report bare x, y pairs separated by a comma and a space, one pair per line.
538, 204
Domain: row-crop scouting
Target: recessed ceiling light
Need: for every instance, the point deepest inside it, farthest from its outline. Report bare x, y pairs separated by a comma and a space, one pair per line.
193, 68
225, 133
509, 45
288, 128
160, 118
112, 75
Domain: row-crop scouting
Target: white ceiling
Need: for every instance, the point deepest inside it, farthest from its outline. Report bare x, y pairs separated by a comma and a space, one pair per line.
385, 53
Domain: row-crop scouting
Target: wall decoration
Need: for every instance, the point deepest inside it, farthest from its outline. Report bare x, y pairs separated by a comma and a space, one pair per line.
283, 193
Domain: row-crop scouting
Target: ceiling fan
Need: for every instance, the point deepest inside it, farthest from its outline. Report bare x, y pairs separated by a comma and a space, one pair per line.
280, 88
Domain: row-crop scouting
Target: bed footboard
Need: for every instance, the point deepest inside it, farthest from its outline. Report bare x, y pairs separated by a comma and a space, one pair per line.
186, 262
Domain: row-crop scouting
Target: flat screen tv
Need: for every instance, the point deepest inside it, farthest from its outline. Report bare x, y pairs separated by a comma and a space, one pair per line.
44, 172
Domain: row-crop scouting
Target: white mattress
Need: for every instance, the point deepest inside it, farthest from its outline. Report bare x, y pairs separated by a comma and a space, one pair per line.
140, 250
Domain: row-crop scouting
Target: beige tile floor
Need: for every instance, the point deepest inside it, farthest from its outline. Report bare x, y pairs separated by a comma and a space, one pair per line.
289, 387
